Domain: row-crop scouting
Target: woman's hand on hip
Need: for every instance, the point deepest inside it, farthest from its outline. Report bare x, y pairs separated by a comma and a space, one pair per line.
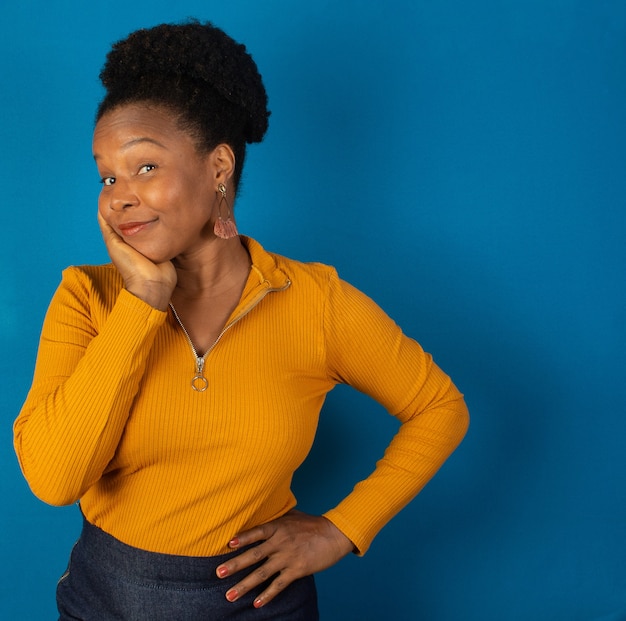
293, 546
151, 282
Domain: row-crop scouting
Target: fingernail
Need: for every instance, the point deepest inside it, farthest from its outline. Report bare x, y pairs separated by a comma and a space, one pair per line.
231, 595
234, 542
222, 571
258, 603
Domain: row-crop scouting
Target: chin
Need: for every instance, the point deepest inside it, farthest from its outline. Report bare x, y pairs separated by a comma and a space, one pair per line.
155, 255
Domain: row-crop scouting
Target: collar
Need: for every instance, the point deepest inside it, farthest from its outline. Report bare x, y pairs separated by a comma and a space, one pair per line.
264, 266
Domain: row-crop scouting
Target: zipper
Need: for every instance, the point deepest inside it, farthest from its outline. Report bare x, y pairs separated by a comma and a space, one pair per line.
199, 382
66, 573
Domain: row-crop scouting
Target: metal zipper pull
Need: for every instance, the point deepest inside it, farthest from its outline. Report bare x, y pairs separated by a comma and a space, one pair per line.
199, 383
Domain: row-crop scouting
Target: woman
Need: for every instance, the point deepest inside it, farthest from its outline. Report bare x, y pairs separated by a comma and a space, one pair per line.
178, 388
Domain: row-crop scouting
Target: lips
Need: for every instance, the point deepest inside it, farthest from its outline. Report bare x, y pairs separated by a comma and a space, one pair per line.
128, 229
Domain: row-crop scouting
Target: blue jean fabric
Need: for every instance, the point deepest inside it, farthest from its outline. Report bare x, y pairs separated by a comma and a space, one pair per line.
107, 580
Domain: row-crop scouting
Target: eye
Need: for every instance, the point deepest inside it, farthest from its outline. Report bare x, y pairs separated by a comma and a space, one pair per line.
146, 168
107, 180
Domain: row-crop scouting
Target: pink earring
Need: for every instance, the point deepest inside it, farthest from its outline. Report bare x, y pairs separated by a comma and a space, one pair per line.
224, 227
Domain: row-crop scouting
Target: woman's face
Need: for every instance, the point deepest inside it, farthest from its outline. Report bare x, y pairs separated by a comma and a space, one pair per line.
158, 193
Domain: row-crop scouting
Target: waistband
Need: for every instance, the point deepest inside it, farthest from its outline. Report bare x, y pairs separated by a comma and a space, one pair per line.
110, 555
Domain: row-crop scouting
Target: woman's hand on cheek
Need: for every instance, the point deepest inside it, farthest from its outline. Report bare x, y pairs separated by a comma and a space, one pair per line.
151, 282
293, 546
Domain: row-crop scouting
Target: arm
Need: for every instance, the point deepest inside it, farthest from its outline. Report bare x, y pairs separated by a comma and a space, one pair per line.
85, 379
367, 350
422, 444
88, 372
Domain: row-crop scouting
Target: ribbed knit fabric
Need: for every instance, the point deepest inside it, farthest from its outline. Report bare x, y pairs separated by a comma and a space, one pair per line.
111, 418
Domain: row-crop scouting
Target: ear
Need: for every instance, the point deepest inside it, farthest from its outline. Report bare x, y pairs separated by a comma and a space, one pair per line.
222, 164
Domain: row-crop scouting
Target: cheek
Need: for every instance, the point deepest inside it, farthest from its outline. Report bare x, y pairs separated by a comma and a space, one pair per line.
102, 204
181, 201
161, 196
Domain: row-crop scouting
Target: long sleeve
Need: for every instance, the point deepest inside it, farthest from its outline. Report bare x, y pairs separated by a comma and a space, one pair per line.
91, 357
367, 350
111, 417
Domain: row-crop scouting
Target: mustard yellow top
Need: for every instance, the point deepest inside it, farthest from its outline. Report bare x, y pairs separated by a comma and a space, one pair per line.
111, 417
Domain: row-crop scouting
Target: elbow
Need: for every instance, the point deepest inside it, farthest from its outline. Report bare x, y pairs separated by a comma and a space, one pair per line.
52, 480
48, 487
459, 421
451, 422
54, 497
465, 418
463, 427
51, 491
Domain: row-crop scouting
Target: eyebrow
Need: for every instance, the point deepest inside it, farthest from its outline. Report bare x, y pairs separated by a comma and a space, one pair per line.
136, 141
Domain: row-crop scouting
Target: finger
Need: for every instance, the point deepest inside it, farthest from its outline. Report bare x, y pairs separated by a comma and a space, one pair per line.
279, 584
105, 227
111, 239
126, 258
251, 556
258, 577
254, 535
242, 561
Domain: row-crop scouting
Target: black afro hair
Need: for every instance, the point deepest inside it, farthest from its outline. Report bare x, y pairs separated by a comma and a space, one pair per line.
208, 80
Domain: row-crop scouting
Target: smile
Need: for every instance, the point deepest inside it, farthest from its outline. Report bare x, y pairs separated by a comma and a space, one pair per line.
128, 229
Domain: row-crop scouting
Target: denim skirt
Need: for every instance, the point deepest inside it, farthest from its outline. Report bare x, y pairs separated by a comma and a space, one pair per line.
108, 580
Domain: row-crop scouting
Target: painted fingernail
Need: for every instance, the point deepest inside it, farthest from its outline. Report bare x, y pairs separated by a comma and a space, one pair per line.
222, 571
258, 602
234, 542
231, 595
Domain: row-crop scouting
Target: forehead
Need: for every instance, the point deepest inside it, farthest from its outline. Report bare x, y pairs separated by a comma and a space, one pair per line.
131, 124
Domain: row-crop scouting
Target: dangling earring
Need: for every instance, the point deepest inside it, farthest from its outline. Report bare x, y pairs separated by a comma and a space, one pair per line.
224, 228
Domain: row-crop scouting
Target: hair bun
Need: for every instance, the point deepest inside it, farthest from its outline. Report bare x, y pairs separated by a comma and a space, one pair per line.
198, 53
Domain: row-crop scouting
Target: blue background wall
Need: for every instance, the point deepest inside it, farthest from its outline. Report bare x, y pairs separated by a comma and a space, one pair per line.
463, 163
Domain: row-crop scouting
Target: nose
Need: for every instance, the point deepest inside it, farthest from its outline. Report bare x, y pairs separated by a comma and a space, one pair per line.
122, 197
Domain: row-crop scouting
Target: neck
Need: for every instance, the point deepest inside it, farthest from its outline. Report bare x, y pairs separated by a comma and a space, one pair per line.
211, 271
